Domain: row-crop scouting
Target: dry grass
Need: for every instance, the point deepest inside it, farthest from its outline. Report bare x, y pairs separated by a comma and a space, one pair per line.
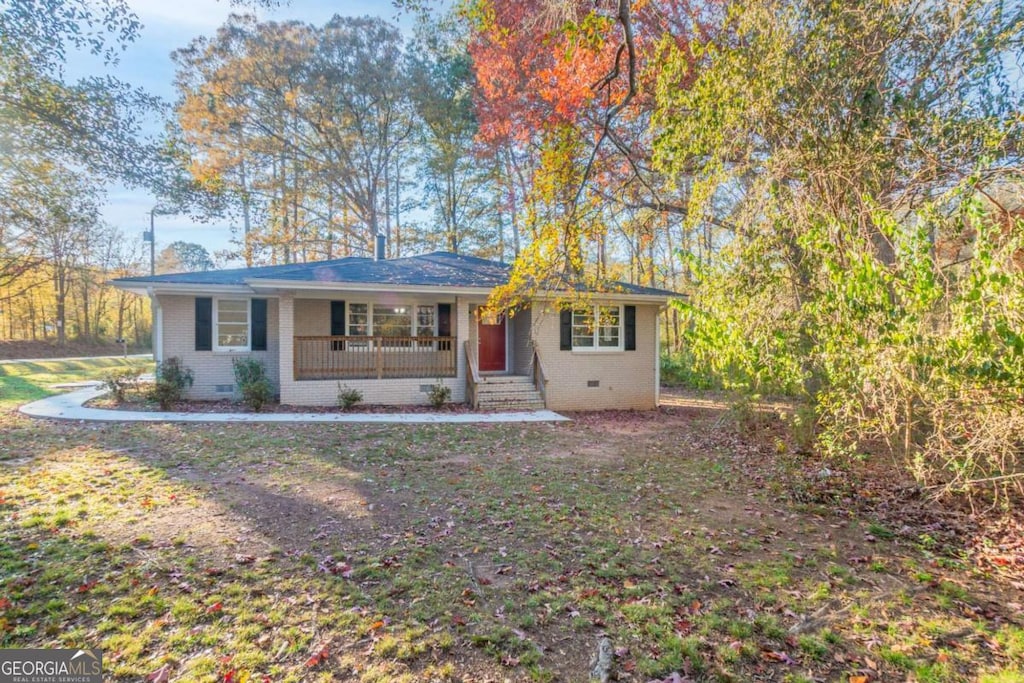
481, 553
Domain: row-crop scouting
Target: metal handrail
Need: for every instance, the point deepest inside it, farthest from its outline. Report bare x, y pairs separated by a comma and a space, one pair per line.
472, 376
540, 376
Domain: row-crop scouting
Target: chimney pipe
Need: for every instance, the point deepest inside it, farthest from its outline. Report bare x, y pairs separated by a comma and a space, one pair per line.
378, 253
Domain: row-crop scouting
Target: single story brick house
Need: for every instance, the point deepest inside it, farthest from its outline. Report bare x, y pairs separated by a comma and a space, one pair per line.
393, 328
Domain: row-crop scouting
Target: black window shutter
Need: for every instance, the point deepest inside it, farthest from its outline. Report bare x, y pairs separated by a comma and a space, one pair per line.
337, 318
444, 325
630, 318
444, 320
337, 325
204, 323
565, 330
259, 324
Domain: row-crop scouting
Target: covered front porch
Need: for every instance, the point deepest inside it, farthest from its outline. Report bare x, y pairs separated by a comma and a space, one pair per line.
394, 348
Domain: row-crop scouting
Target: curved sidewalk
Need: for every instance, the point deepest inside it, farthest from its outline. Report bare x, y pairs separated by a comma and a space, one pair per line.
70, 406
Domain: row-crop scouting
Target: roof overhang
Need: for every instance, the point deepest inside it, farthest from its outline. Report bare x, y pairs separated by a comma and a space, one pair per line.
144, 288
261, 285
618, 297
277, 287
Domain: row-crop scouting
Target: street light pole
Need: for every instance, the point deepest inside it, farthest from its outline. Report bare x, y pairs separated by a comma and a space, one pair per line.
156, 334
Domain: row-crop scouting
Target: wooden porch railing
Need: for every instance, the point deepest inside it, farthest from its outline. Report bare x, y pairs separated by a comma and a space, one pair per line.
354, 357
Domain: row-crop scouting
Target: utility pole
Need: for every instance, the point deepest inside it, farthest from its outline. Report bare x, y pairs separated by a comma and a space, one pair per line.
151, 235
156, 334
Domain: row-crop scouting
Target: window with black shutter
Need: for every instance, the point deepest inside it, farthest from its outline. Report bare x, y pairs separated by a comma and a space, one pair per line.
444, 325
259, 324
565, 330
629, 314
338, 324
204, 324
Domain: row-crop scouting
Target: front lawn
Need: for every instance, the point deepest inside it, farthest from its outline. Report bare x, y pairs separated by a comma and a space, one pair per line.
484, 553
21, 382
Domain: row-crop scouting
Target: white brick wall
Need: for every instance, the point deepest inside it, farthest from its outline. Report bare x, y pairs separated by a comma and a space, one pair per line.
375, 392
626, 378
211, 368
313, 317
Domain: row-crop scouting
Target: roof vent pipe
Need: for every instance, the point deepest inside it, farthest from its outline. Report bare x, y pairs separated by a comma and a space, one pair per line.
378, 253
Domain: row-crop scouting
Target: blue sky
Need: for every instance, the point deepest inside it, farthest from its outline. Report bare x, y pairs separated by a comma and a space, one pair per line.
168, 25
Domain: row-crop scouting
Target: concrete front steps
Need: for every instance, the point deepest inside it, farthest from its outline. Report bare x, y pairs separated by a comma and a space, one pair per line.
507, 393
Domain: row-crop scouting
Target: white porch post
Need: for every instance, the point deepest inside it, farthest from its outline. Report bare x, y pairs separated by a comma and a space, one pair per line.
461, 336
286, 346
156, 331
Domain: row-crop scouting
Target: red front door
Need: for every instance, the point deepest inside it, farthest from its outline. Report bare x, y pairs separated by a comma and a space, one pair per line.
491, 336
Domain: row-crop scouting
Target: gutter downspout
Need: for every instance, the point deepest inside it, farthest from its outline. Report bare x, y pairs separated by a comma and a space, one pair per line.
657, 355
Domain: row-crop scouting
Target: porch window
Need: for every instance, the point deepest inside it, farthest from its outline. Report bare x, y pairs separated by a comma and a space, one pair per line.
358, 320
392, 321
231, 317
387, 320
597, 328
425, 321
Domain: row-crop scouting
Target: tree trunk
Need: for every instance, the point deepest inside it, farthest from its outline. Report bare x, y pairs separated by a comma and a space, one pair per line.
514, 212
373, 225
99, 309
86, 329
32, 317
120, 316
398, 210
387, 207
61, 335
329, 247
60, 295
501, 235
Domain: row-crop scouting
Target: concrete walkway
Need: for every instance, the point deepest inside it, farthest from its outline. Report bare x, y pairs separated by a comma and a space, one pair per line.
70, 406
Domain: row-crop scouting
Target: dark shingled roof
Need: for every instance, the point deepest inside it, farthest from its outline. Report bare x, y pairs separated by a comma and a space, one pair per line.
438, 269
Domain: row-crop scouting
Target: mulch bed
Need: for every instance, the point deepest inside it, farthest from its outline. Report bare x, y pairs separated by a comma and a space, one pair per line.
228, 406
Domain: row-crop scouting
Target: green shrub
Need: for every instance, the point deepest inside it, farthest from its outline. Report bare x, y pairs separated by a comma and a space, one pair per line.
439, 394
255, 387
121, 382
682, 370
348, 397
172, 381
893, 350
